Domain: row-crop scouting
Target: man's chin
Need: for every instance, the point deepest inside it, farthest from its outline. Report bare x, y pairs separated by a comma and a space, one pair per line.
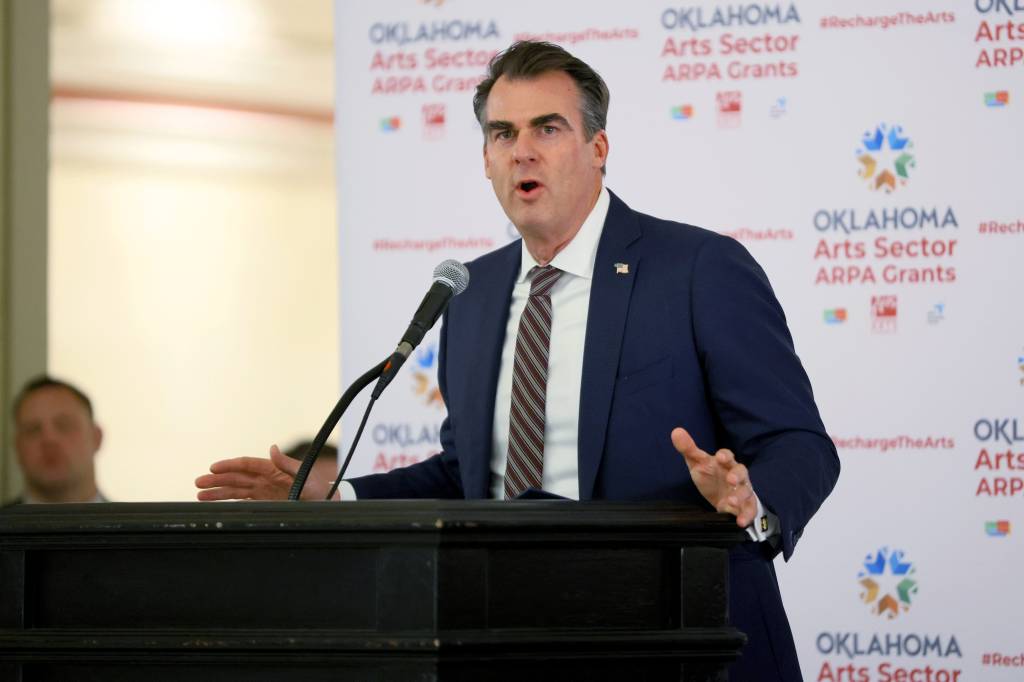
52, 484
528, 228
529, 219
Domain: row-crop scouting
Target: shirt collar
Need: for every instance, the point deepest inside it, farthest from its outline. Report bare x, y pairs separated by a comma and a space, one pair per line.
579, 255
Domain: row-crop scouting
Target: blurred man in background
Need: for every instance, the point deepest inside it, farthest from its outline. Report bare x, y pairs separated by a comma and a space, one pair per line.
56, 440
325, 468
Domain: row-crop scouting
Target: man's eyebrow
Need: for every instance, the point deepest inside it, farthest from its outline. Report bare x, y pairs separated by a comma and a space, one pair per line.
535, 122
549, 118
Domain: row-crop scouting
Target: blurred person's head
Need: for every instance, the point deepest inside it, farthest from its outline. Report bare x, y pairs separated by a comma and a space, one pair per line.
56, 440
326, 465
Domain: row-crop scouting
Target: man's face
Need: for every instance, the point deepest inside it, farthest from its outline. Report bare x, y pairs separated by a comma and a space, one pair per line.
544, 171
56, 440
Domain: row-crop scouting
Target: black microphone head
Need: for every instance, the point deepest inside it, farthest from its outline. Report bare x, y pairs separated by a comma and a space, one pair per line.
454, 274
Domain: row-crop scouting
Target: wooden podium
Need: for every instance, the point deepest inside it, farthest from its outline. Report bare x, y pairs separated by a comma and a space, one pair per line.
396, 590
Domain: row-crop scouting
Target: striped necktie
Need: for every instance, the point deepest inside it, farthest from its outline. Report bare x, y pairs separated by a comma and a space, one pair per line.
525, 466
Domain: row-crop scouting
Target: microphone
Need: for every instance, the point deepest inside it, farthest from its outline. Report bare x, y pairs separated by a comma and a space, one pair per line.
450, 279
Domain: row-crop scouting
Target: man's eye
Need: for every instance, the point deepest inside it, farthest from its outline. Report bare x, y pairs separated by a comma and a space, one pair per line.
33, 430
503, 135
65, 425
549, 130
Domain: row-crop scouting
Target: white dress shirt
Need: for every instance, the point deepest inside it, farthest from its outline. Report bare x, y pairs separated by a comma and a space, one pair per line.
570, 303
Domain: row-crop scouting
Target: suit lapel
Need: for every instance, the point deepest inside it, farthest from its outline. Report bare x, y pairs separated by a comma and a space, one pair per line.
609, 304
494, 282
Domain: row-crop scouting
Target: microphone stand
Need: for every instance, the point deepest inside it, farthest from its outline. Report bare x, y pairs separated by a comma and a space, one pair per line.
332, 420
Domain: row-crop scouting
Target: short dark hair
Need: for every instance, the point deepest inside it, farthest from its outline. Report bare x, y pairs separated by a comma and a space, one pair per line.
298, 451
44, 381
529, 59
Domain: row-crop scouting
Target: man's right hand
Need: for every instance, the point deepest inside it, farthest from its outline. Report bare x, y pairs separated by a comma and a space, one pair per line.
252, 478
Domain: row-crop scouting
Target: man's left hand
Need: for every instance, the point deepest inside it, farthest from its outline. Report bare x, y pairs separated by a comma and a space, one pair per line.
723, 481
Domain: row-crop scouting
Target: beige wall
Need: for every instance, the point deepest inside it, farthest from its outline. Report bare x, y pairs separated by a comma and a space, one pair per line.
187, 270
193, 285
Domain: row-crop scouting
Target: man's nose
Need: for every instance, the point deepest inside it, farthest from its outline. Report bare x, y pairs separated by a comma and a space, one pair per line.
524, 151
49, 434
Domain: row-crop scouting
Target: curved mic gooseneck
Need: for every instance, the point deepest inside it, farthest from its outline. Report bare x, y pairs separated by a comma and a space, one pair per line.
332, 420
450, 279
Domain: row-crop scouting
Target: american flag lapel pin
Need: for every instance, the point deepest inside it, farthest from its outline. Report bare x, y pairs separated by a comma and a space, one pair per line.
622, 268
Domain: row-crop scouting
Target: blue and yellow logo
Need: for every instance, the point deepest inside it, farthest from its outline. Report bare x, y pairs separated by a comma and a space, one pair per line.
424, 384
885, 158
888, 582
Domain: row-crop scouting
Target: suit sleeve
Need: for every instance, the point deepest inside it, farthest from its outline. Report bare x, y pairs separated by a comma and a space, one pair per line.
435, 477
759, 390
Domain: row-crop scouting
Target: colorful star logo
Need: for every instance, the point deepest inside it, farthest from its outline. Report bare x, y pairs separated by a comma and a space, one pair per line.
885, 158
888, 582
424, 384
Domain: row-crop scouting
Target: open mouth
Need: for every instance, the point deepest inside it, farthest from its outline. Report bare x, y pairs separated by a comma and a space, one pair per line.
528, 187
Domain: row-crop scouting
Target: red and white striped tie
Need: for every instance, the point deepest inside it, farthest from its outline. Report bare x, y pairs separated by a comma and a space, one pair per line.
525, 466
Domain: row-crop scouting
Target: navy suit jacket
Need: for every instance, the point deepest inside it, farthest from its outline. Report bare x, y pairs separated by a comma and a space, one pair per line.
692, 336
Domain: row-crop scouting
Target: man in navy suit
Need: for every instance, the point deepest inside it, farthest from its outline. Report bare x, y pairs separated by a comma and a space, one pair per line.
652, 326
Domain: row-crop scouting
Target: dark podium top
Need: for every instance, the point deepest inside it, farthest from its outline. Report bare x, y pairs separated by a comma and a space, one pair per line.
374, 590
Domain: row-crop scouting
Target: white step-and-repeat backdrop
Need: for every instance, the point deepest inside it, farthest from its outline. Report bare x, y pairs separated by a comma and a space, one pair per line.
870, 156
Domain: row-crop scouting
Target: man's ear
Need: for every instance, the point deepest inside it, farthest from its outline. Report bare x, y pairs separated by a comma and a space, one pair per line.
97, 434
600, 143
487, 162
